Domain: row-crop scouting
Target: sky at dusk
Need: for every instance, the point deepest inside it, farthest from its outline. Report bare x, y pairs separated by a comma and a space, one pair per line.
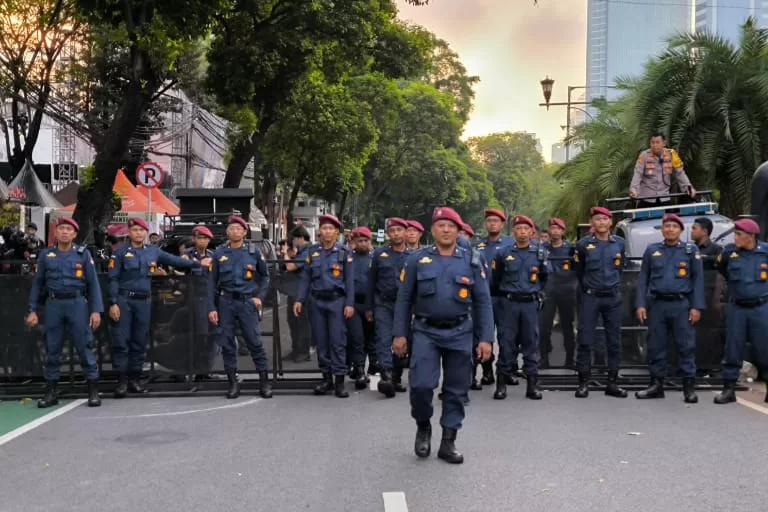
511, 45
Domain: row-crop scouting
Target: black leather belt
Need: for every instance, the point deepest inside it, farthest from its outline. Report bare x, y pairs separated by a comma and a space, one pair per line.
443, 323
751, 303
236, 295
135, 295
523, 297
669, 297
64, 295
601, 293
327, 295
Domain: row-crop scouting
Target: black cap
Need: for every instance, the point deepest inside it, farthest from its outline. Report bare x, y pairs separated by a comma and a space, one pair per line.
32, 225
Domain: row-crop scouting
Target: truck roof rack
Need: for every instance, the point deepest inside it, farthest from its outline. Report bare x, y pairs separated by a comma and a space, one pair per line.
680, 204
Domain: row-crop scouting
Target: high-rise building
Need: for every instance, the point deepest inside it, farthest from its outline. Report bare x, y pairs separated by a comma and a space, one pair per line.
622, 35
723, 17
558, 153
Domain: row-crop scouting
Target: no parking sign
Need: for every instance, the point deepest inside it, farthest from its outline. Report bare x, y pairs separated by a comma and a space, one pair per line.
149, 175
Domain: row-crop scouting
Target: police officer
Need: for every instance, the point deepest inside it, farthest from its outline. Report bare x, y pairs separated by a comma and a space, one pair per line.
654, 169
673, 274
560, 294
744, 264
206, 352
329, 278
359, 328
130, 303
298, 325
519, 272
413, 234
383, 282
67, 275
488, 248
239, 280
441, 285
600, 262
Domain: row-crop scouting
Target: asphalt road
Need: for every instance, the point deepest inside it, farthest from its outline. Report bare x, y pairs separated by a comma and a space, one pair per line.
306, 453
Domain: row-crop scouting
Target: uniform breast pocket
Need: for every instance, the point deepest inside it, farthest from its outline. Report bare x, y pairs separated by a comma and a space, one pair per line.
682, 269
593, 262
131, 264
511, 270
735, 271
463, 285
657, 268
426, 282
53, 270
226, 272
316, 270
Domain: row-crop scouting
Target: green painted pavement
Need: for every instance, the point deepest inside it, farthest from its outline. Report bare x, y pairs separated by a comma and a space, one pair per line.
15, 413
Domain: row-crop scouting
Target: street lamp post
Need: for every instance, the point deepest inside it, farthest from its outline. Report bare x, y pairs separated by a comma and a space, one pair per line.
547, 86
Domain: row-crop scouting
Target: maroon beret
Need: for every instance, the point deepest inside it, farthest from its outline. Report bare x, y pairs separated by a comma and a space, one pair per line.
671, 217
135, 221
468, 229
363, 232
599, 210
234, 219
396, 221
415, 225
202, 230
747, 226
68, 221
329, 219
522, 219
446, 213
557, 222
492, 212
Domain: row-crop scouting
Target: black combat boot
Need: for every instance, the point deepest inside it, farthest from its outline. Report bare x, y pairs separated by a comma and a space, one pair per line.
531, 390
325, 385
397, 378
135, 385
373, 367
265, 388
385, 386
487, 379
501, 387
612, 386
122, 386
94, 400
544, 360
728, 394
689, 390
583, 390
51, 397
512, 380
233, 391
422, 447
654, 390
339, 389
361, 379
447, 450
476, 384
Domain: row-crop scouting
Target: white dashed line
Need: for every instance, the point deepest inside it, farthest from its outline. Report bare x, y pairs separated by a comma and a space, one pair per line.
40, 421
395, 502
179, 413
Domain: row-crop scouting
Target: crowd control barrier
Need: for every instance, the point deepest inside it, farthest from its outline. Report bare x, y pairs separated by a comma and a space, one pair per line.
182, 342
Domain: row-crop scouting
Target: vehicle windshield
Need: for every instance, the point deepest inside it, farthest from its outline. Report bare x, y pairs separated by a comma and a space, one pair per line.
640, 235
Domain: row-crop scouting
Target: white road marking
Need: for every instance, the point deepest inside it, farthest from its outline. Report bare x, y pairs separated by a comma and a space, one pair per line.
40, 421
752, 405
179, 413
373, 386
395, 502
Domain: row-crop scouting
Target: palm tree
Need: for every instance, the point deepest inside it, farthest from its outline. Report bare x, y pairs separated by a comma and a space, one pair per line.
709, 97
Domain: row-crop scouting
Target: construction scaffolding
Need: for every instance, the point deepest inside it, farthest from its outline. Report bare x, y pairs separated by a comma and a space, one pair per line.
65, 139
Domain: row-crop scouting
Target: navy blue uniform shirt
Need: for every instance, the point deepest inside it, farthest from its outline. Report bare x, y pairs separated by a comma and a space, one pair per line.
66, 271
238, 270
670, 270
746, 271
384, 275
328, 270
600, 263
519, 270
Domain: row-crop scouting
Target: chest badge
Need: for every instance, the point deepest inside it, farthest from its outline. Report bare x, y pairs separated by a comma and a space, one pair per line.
111, 262
509, 258
51, 255
384, 255
566, 265
463, 293
425, 260
336, 270
315, 254
79, 270
617, 260
223, 259
590, 247
734, 255
128, 255
656, 254
249, 271
402, 275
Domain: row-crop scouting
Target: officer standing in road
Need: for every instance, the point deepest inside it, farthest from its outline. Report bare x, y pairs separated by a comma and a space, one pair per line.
600, 262
519, 272
441, 285
329, 277
383, 282
488, 248
673, 275
560, 294
130, 303
238, 286
295, 259
359, 328
205, 352
744, 264
66, 274
413, 234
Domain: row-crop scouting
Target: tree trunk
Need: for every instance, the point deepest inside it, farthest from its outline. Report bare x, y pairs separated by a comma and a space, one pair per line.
292, 197
244, 151
342, 204
94, 207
